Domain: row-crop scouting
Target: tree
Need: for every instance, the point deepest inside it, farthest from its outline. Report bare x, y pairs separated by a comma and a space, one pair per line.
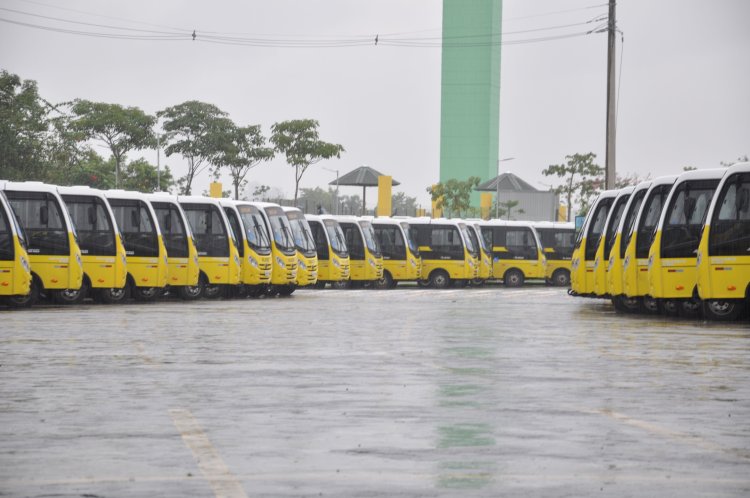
23, 129
506, 208
402, 204
140, 175
454, 196
240, 149
122, 129
631, 179
193, 130
579, 173
298, 139
314, 197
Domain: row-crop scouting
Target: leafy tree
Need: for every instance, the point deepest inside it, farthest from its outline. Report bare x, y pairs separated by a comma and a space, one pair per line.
579, 174
23, 129
403, 204
140, 175
193, 129
350, 204
122, 129
314, 197
506, 208
239, 150
454, 196
631, 179
299, 140
260, 190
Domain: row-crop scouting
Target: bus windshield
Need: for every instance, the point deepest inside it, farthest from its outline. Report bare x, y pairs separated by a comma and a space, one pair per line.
301, 230
255, 229
280, 227
481, 241
684, 220
411, 238
470, 238
369, 233
336, 237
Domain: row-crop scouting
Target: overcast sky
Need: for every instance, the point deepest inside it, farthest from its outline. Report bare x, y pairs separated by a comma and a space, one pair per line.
684, 98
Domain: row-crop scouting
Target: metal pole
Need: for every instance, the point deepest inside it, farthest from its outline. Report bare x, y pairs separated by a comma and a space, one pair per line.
337, 192
158, 164
609, 168
497, 191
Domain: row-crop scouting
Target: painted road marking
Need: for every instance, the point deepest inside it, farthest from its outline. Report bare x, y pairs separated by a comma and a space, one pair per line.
222, 481
681, 437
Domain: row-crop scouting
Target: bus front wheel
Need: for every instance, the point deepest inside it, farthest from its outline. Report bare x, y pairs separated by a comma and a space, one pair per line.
112, 295
287, 290
29, 299
386, 282
439, 279
723, 310
513, 278
146, 293
70, 296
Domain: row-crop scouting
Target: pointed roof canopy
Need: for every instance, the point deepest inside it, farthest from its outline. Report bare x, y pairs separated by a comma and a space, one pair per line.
364, 176
504, 183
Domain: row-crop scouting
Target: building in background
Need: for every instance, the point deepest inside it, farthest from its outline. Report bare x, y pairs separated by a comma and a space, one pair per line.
533, 204
470, 95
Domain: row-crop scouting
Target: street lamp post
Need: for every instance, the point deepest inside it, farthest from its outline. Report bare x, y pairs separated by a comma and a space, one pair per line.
497, 186
336, 196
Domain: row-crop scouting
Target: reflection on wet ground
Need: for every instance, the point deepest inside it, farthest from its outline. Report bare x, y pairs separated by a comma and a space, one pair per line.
410, 392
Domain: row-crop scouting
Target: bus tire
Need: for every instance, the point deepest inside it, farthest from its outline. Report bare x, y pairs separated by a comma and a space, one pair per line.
671, 307
423, 283
513, 278
478, 282
320, 284
723, 310
71, 296
111, 295
386, 282
625, 304
146, 294
213, 291
561, 278
651, 305
287, 290
190, 292
29, 299
342, 284
439, 279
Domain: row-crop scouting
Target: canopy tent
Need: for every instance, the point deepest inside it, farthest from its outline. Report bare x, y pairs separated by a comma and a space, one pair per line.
364, 177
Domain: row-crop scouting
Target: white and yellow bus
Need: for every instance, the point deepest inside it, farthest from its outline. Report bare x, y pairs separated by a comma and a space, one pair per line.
607, 240
558, 239
485, 252
102, 250
517, 253
672, 274
365, 258
723, 261
15, 271
641, 236
401, 260
448, 255
586, 245
218, 257
253, 243
54, 254
330, 245
617, 254
307, 256
182, 255
283, 250
145, 252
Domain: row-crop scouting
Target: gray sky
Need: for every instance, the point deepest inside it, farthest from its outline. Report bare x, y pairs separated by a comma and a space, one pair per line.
684, 98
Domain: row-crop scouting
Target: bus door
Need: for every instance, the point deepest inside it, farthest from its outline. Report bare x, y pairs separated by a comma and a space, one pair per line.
15, 271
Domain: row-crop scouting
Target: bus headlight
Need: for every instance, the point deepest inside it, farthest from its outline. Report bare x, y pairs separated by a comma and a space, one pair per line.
698, 259
252, 261
280, 262
413, 263
78, 259
25, 264
302, 265
336, 263
236, 260
372, 262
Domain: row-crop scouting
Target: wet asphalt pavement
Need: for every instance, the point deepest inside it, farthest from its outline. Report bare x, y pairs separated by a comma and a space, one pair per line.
409, 392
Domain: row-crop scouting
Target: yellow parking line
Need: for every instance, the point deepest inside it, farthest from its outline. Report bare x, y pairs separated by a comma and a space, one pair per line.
214, 470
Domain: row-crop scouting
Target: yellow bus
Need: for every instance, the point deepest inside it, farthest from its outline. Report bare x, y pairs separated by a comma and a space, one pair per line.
587, 243
485, 253
401, 260
607, 240
330, 244
557, 240
145, 253
617, 254
365, 257
15, 271
218, 257
307, 256
253, 243
54, 255
672, 275
105, 270
723, 261
640, 238
283, 250
182, 255
448, 255
516, 251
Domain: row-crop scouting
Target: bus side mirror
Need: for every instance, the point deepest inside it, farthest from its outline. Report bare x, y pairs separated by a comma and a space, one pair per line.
43, 215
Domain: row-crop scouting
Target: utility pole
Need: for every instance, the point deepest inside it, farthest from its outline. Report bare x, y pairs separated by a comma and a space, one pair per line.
158, 164
609, 165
